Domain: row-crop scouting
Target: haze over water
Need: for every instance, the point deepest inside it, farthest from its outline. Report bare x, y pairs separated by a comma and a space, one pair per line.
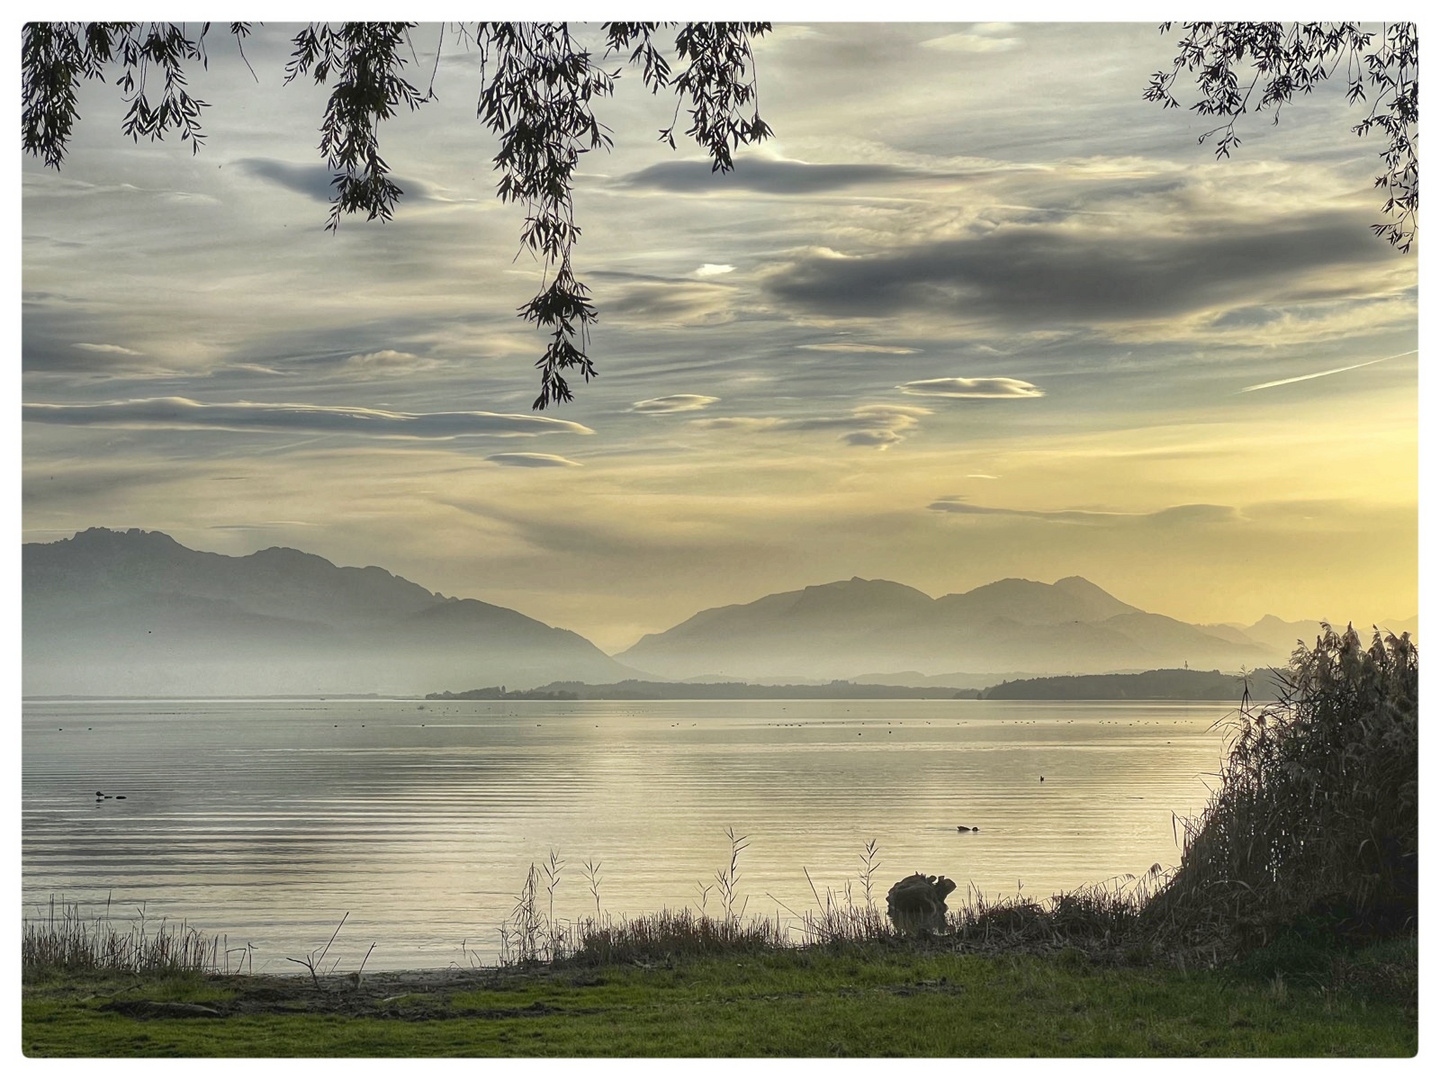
268, 820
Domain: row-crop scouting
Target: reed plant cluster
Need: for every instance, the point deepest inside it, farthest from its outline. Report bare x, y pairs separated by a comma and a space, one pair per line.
1101, 921
62, 938
1314, 826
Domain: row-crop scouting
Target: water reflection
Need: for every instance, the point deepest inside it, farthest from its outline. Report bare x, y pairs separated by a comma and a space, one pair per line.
268, 820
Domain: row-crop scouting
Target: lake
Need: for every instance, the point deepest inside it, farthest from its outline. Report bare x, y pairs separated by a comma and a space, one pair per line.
266, 821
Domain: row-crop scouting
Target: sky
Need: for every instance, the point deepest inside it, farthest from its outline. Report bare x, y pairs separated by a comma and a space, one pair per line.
976, 311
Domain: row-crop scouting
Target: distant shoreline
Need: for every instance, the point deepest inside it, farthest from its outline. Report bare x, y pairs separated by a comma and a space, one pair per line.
1178, 684
1159, 685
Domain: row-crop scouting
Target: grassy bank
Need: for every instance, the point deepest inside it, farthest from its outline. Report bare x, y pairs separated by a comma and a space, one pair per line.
857, 1000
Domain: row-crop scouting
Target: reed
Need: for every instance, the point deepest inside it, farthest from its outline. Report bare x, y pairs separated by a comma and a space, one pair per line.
1314, 826
663, 937
62, 938
1098, 920
314, 962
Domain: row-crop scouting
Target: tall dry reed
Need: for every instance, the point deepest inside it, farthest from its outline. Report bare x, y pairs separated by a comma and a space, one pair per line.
62, 938
1314, 827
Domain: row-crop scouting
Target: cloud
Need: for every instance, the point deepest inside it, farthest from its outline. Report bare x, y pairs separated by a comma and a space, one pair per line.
1194, 514
119, 350
177, 413
771, 177
956, 387
670, 302
713, 270
880, 426
314, 181
859, 347
390, 362
1037, 275
1322, 374
978, 40
1183, 515
533, 461
673, 403
877, 437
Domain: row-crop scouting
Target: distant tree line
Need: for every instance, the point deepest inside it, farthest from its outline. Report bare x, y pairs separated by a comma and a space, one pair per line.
499, 693
1172, 684
1166, 684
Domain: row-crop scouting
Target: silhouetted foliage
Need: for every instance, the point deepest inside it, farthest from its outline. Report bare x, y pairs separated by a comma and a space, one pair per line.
1282, 60
538, 85
1315, 826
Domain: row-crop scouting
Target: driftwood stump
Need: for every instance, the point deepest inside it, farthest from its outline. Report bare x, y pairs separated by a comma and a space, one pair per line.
916, 904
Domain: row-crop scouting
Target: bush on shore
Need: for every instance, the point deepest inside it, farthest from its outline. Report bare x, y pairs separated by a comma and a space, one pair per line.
1314, 828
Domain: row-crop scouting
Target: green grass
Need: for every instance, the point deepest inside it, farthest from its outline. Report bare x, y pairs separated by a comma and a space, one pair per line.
855, 1001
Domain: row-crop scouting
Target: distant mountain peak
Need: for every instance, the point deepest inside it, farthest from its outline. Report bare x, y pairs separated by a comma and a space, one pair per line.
860, 583
290, 557
101, 536
1084, 589
1015, 624
131, 612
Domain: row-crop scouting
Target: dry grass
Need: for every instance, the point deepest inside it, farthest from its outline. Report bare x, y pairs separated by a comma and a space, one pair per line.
1100, 921
62, 939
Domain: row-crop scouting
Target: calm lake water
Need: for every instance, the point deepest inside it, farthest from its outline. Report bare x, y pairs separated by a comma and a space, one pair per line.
268, 820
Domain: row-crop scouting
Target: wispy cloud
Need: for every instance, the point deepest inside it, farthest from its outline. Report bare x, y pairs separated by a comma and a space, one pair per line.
1186, 514
315, 181
880, 426
389, 363
673, 403
859, 347
177, 413
533, 461
118, 350
982, 38
987, 388
673, 303
1322, 374
775, 177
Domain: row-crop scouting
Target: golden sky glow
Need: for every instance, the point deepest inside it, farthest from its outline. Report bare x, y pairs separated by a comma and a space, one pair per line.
978, 311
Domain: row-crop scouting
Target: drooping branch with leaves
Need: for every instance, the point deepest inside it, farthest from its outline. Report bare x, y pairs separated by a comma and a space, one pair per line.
538, 87
1242, 67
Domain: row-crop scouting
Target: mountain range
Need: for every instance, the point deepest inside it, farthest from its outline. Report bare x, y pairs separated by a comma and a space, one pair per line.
135, 612
845, 627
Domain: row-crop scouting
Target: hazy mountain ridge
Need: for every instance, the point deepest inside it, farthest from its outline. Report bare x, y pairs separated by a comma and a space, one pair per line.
137, 612
280, 582
833, 631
